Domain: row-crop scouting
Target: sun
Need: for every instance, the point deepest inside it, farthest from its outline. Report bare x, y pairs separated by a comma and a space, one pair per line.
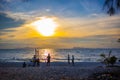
45, 26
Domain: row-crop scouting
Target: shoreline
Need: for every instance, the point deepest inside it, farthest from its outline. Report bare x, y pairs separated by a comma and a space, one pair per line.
42, 64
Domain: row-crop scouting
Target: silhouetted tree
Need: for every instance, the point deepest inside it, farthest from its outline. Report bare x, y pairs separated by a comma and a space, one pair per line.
107, 60
113, 60
112, 6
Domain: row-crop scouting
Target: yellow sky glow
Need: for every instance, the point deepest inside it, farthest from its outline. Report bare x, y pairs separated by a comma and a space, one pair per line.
45, 31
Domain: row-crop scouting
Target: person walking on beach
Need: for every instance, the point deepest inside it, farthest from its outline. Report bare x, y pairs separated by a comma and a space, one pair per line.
48, 60
73, 60
68, 59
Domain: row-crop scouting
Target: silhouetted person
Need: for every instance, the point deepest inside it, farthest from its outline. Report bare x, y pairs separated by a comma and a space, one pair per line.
110, 53
34, 60
68, 59
38, 62
73, 60
24, 64
48, 60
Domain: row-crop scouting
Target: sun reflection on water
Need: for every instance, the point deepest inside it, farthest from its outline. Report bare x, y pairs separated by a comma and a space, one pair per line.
43, 53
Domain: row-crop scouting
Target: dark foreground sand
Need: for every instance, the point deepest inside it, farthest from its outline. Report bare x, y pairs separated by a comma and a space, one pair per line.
57, 71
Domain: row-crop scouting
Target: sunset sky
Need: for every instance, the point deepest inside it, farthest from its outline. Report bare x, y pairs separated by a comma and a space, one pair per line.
78, 23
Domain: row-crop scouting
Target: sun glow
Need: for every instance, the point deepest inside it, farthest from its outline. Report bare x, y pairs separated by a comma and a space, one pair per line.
45, 26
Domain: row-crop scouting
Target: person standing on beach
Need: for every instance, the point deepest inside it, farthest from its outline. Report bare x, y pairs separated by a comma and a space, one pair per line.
48, 60
24, 64
38, 62
68, 59
34, 60
73, 60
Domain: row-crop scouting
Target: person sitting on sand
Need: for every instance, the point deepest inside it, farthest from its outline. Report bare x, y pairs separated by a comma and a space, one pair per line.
48, 60
72, 60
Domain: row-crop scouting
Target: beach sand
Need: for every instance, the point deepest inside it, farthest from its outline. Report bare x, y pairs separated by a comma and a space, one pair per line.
57, 71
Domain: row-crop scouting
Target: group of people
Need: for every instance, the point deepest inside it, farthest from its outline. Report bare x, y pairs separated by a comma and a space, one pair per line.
72, 60
36, 61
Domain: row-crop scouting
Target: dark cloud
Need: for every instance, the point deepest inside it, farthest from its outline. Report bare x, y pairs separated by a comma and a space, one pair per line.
103, 36
60, 42
6, 22
6, 30
11, 36
2, 33
65, 40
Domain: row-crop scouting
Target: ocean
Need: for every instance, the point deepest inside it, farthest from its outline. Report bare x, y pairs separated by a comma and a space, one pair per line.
57, 55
